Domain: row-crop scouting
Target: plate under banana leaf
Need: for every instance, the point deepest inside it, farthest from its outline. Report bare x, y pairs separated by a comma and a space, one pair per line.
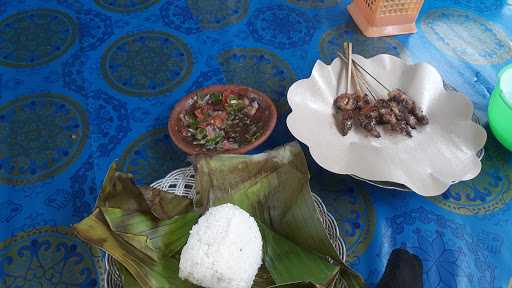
145, 229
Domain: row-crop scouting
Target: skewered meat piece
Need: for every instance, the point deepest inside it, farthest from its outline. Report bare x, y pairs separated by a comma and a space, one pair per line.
345, 102
363, 101
368, 117
382, 103
422, 118
398, 111
386, 116
401, 127
368, 124
403, 101
346, 119
395, 108
405, 115
410, 120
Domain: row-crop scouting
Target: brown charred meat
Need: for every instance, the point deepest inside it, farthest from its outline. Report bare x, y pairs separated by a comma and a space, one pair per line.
346, 119
411, 120
363, 101
405, 108
401, 128
345, 102
368, 118
386, 116
422, 118
398, 112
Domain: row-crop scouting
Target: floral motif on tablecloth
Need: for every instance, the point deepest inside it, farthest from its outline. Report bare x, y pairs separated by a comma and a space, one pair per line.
44, 134
110, 124
178, 16
80, 195
35, 37
260, 69
73, 73
152, 156
125, 6
450, 254
83, 189
49, 257
439, 262
489, 191
333, 39
94, 29
147, 63
281, 26
466, 36
58, 199
191, 16
314, 3
351, 206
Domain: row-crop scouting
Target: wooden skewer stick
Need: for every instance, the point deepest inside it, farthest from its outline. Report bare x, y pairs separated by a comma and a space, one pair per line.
362, 68
368, 87
358, 82
358, 79
348, 51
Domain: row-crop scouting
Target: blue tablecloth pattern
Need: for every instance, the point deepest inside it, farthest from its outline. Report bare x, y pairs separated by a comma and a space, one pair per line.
85, 83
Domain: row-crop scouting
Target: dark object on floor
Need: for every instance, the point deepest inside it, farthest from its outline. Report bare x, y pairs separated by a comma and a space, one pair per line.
403, 270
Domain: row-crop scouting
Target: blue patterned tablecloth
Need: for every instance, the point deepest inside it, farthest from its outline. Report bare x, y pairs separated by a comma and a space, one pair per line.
83, 83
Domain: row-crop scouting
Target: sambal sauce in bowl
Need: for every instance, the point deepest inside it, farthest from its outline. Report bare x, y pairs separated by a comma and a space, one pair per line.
222, 119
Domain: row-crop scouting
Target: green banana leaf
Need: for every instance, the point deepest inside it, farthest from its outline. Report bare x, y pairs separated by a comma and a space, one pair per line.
165, 205
130, 282
95, 230
144, 229
130, 222
126, 277
167, 236
287, 262
172, 235
139, 242
274, 188
124, 226
119, 191
161, 270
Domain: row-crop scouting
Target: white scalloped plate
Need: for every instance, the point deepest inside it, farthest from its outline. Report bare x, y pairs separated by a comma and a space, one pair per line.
439, 154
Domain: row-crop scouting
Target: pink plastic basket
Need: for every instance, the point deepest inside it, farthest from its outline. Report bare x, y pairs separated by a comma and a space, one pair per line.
385, 17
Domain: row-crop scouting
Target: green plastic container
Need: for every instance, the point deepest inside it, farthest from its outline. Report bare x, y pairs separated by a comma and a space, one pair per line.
500, 108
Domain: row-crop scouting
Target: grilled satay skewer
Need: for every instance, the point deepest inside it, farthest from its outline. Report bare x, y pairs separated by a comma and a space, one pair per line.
346, 102
397, 110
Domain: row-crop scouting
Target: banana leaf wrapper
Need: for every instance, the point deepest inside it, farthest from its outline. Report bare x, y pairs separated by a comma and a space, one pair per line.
144, 229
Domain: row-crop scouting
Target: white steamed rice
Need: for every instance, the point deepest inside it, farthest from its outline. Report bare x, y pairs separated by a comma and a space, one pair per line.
224, 249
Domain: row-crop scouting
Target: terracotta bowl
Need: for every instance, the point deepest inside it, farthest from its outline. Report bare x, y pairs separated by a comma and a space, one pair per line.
175, 125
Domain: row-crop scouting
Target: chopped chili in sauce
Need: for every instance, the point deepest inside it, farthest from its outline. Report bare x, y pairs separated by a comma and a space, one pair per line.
221, 121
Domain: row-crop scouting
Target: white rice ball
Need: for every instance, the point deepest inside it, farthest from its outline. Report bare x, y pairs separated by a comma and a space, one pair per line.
224, 249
